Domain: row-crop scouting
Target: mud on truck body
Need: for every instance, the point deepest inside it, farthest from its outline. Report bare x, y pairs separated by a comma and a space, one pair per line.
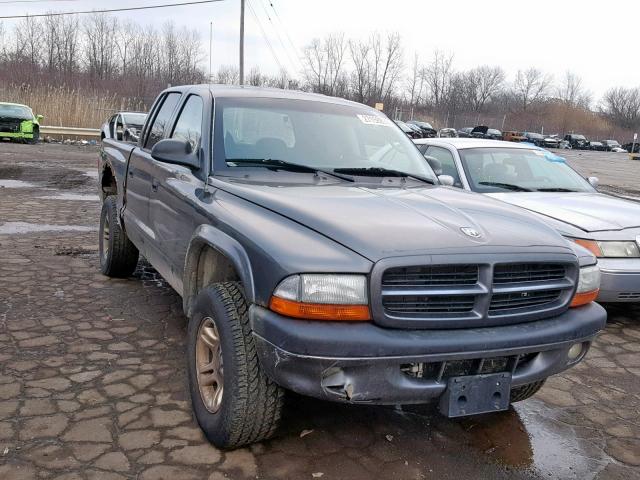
316, 251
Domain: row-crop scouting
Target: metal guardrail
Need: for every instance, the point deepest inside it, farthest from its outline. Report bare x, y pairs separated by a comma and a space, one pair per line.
70, 131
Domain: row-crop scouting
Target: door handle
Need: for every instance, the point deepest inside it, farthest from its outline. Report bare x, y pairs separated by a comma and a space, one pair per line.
154, 185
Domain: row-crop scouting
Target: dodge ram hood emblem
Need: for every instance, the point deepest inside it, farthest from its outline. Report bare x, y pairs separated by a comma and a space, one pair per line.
471, 232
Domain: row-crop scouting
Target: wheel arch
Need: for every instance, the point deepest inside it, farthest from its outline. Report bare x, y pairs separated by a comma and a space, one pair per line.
108, 182
213, 256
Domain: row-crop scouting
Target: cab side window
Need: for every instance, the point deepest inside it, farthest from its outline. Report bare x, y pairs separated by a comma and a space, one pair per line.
161, 121
189, 124
445, 157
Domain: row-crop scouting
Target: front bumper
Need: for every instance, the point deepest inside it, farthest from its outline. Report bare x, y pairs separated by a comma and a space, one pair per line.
619, 280
364, 363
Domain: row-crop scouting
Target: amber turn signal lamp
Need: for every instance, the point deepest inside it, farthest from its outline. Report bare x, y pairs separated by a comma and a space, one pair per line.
319, 311
590, 245
583, 298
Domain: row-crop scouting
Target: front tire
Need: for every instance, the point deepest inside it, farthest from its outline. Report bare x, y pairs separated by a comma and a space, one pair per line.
118, 256
234, 402
523, 392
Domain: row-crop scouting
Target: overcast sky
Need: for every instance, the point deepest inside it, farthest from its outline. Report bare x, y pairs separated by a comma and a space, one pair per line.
596, 40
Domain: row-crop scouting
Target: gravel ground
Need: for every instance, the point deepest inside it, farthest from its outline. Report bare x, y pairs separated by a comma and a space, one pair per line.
93, 386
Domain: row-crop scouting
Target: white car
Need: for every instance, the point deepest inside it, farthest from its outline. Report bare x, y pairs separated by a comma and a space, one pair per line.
543, 183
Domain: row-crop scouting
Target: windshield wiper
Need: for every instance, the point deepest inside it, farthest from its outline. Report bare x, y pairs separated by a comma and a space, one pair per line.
283, 165
507, 186
381, 172
555, 189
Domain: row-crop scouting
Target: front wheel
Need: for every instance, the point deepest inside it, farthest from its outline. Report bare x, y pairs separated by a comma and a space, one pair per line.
118, 256
525, 391
234, 402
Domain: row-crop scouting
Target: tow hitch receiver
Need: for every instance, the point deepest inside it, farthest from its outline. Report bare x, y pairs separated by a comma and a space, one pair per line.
474, 394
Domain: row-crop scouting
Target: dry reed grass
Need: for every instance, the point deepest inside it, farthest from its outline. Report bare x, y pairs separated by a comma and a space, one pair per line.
67, 107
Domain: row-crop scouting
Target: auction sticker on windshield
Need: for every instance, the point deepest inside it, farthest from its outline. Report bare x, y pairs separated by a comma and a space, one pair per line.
374, 120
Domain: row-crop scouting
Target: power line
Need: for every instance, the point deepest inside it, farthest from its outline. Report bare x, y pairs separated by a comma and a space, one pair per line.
286, 32
36, 1
266, 39
110, 10
275, 28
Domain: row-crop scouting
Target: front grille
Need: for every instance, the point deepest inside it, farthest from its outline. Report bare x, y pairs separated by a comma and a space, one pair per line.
527, 272
459, 295
9, 126
424, 304
430, 276
522, 299
629, 296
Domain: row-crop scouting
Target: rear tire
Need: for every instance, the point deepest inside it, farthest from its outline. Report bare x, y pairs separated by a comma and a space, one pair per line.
236, 405
118, 256
525, 391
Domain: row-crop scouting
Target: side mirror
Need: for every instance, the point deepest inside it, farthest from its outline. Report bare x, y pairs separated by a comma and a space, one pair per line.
174, 151
39, 117
446, 180
594, 181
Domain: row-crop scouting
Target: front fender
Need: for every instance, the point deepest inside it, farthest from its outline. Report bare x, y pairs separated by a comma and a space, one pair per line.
209, 236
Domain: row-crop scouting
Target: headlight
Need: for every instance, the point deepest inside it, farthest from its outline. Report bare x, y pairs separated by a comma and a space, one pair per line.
609, 249
322, 297
588, 286
619, 249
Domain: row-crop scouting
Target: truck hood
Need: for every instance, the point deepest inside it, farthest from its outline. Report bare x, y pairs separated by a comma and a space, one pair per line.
591, 212
379, 222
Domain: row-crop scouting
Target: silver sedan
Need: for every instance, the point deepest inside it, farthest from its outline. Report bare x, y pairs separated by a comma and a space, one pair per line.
543, 183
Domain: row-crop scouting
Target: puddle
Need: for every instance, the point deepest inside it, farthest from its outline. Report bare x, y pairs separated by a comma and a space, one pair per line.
15, 184
15, 228
72, 196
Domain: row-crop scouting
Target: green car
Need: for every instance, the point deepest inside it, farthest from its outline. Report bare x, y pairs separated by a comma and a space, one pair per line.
18, 122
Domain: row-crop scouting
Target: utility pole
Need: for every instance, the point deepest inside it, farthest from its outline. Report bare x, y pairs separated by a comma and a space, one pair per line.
241, 42
210, 51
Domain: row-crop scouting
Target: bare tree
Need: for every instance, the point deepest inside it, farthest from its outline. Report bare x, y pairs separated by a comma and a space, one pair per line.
324, 64
482, 83
531, 86
438, 75
28, 36
622, 105
227, 75
359, 53
572, 93
100, 31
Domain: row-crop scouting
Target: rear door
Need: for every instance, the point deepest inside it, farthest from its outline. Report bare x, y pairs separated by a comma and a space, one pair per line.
138, 186
177, 191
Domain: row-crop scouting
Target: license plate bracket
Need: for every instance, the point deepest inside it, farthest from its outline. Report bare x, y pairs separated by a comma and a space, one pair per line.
476, 394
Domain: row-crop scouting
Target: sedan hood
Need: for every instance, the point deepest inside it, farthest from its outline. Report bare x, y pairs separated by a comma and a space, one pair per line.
379, 222
591, 212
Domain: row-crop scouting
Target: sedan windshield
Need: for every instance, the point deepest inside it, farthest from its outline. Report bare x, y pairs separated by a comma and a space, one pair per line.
16, 111
519, 170
325, 136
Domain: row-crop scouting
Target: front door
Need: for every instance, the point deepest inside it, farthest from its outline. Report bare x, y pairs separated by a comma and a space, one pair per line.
139, 175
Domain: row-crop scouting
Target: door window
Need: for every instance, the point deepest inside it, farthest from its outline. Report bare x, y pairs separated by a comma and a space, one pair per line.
189, 124
161, 120
448, 164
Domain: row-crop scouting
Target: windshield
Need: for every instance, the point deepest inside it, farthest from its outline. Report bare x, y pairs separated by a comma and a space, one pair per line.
16, 111
134, 118
578, 137
316, 134
534, 135
514, 169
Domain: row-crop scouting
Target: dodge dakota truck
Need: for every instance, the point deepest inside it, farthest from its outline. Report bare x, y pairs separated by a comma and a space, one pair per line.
316, 251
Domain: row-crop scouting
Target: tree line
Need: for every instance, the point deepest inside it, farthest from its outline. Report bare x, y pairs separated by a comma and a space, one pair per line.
100, 52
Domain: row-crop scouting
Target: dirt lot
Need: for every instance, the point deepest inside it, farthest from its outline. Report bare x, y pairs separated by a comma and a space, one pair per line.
92, 377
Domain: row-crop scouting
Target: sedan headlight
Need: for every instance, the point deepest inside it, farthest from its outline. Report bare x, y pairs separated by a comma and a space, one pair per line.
609, 249
322, 297
619, 249
588, 286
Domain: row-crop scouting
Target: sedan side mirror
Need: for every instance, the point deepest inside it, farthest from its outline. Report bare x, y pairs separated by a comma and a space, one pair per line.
446, 180
594, 181
39, 117
177, 152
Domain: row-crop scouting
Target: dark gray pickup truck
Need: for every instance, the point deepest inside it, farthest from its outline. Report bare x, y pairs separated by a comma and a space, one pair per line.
316, 251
